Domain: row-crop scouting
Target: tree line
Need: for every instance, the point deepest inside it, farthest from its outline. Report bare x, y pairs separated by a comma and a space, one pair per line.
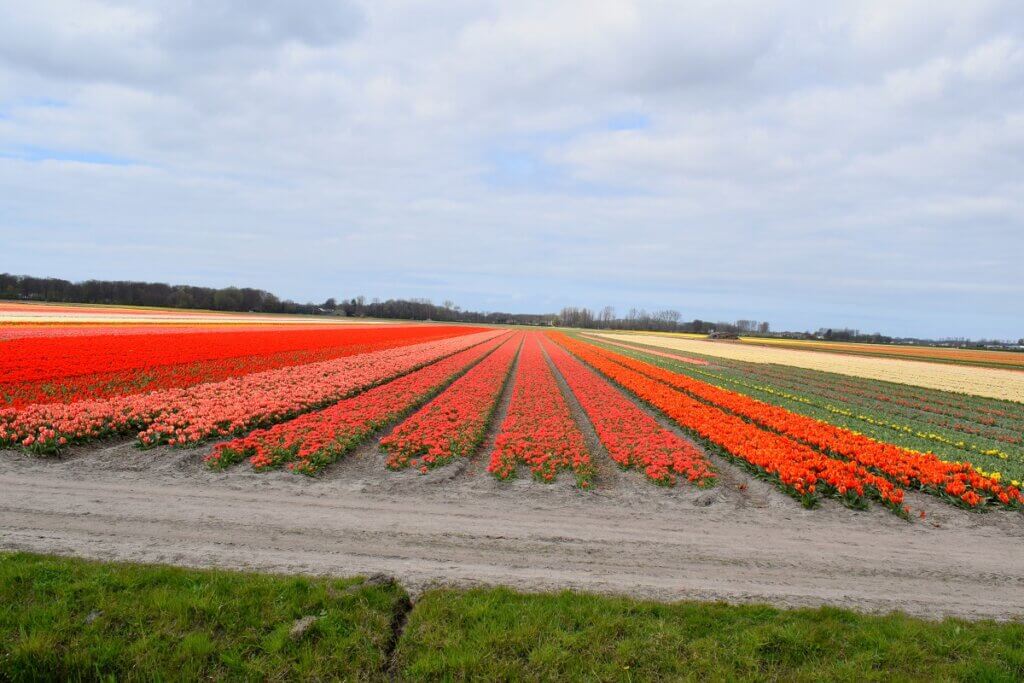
247, 299
131, 293
425, 309
667, 320
243, 299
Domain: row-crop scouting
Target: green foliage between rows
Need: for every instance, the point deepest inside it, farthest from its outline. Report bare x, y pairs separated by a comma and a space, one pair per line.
744, 378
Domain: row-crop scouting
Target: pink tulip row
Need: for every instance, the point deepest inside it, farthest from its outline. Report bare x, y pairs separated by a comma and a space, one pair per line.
312, 441
182, 416
453, 424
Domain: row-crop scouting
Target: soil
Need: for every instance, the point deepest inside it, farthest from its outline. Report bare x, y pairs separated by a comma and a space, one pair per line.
742, 541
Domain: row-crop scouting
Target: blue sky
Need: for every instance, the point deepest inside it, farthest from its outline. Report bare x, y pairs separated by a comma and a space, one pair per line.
812, 164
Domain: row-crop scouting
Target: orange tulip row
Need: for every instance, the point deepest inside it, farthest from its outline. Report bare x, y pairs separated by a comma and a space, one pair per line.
632, 438
798, 469
958, 482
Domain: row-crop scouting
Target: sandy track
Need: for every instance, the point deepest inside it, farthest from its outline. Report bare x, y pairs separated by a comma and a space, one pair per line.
458, 526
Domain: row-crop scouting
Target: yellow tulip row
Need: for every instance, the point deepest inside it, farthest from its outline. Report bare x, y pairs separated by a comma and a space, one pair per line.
931, 436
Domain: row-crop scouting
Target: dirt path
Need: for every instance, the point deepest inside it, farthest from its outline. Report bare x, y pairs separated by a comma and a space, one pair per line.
462, 527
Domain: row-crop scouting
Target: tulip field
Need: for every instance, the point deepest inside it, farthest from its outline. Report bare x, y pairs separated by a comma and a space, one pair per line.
549, 405
956, 427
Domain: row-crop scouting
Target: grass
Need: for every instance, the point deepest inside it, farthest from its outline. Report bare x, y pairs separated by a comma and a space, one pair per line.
497, 634
68, 619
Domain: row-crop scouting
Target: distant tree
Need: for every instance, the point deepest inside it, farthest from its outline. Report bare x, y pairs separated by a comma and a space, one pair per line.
182, 298
227, 299
669, 317
270, 304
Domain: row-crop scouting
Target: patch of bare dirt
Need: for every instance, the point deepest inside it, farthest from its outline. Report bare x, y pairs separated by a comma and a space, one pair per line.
461, 527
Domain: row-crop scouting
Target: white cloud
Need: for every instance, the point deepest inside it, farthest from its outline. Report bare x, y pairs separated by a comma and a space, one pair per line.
785, 160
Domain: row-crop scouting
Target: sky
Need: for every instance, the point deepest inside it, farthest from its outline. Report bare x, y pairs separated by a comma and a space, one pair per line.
839, 164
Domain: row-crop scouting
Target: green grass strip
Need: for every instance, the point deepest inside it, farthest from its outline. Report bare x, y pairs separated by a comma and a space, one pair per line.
69, 619
497, 634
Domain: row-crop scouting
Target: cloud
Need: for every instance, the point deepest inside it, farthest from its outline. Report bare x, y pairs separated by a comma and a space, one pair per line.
217, 26
806, 164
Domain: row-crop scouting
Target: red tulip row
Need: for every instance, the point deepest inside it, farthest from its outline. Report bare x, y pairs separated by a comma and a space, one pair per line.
188, 415
61, 357
539, 430
632, 438
314, 440
798, 469
66, 369
956, 481
453, 424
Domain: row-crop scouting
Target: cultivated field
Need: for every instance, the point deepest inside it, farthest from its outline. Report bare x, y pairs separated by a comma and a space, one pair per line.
1008, 359
20, 313
965, 379
539, 459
